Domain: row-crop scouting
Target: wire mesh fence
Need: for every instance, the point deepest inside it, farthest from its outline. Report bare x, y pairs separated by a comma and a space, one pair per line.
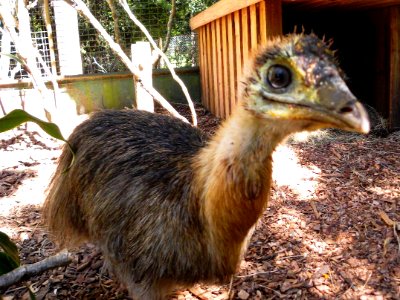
97, 57
10, 67
182, 51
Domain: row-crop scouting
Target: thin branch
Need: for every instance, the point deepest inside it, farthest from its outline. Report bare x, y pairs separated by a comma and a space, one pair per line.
169, 25
26, 271
2, 107
82, 9
256, 274
114, 15
24, 47
50, 36
395, 225
125, 5
169, 30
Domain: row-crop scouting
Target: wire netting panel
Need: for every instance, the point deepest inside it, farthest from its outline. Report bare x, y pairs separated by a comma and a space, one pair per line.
11, 68
183, 51
97, 57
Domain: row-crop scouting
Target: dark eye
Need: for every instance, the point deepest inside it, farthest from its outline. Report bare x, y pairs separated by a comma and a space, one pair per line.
279, 77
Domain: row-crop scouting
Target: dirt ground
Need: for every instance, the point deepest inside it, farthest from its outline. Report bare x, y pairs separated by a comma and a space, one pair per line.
330, 231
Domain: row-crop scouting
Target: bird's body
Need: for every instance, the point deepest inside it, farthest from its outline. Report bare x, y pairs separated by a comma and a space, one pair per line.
170, 208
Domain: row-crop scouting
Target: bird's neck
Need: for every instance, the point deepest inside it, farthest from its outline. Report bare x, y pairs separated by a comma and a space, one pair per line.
234, 176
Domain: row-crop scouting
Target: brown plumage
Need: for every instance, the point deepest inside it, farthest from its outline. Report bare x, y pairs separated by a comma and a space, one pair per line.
170, 208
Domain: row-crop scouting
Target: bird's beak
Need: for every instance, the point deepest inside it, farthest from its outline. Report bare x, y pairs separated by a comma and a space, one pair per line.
341, 108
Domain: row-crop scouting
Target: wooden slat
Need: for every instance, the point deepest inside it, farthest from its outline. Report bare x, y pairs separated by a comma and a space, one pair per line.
225, 83
211, 78
394, 90
207, 69
226, 44
203, 68
238, 50
218, 10
273, 18
231, 64
263, 23
220, 79
253, 28
209, 62
245, 34
203, 64
214, 81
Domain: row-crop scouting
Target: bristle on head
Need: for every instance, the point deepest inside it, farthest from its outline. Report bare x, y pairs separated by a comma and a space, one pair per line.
296, 78
297, 45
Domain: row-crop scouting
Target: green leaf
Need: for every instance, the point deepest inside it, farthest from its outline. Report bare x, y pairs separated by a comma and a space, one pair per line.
9, 248
19, 116
7, 264
17, 58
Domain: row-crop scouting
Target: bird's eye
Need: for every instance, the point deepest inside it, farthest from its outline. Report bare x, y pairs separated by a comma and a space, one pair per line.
279, 77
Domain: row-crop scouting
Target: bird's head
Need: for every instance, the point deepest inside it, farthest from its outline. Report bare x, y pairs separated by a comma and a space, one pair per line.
297, 78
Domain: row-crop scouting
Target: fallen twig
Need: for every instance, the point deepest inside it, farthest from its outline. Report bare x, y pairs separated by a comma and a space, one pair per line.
315, 210
199, 293
256, 274
25, 271
395, 228
386, 218
230, 292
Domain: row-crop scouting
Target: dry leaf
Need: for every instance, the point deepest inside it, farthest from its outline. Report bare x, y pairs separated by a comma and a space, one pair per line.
243, 295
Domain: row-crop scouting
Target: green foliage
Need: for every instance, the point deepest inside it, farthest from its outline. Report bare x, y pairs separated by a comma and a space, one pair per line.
9, 257
187, 9
12, 56
153, 14
19, 116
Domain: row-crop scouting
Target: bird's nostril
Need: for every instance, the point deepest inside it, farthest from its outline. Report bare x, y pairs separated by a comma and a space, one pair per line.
346, 109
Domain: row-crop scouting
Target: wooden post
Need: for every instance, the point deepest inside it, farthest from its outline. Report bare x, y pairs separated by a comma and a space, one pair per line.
69, 55
394, 81
142, 59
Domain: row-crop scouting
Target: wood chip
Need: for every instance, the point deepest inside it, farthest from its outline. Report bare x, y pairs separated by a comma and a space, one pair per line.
315, 210
200, 293
386, 218
243, 295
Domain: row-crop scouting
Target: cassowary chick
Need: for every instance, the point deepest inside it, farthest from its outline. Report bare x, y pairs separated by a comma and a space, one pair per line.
170, 208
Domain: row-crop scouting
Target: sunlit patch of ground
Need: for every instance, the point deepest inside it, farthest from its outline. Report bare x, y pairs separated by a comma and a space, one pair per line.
322, 236
289, 172
27, 163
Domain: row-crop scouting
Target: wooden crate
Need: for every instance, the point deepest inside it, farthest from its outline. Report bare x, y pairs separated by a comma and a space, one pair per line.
229, 32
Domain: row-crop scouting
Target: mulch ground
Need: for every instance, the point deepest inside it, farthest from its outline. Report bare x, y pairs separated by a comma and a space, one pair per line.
331, 230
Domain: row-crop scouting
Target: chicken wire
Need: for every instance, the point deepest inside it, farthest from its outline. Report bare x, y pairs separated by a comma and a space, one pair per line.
97, 57
11, 68
182, 51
